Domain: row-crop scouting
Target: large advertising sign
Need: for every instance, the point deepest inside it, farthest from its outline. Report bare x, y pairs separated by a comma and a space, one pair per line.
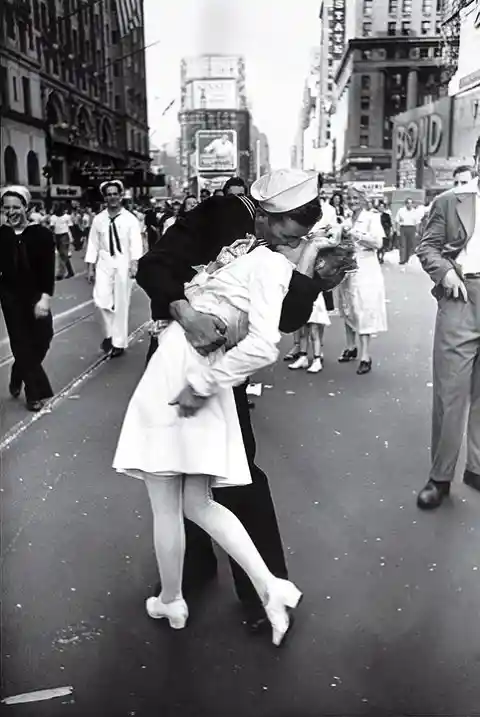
337, 35
215, 66
211, 95
423, 132
216, 150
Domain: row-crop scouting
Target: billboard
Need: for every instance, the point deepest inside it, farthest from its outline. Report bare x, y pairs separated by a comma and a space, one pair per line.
211, 95
216, 150
423, 131
211, 66
337, 35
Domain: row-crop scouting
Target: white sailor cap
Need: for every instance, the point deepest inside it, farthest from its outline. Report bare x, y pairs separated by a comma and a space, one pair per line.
285, 189
17, 190
112, 183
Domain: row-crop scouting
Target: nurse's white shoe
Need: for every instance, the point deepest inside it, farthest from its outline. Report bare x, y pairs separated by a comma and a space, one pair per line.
316, 366
175, 612
282, 597
301, 362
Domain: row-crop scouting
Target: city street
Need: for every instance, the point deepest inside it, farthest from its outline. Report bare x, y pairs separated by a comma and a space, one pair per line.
389, 624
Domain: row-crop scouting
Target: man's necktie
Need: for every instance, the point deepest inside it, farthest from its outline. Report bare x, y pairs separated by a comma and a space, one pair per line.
113, 234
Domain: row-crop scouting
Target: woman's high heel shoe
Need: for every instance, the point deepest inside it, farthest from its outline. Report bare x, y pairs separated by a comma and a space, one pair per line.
281, 597
348, 355
176, 612
364, 367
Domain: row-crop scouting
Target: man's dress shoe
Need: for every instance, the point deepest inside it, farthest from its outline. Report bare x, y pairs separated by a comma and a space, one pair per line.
472, 479
432, 495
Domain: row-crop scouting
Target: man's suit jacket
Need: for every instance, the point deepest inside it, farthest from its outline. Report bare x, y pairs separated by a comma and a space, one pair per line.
450, 226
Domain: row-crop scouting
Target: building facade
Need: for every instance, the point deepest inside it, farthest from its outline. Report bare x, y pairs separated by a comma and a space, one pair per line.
392, 62
430, 141
73, 93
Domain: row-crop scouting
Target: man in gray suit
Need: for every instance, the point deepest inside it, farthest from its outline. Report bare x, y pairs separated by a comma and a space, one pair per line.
450, 253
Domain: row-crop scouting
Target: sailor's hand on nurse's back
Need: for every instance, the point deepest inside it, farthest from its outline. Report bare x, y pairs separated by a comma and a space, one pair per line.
205, 332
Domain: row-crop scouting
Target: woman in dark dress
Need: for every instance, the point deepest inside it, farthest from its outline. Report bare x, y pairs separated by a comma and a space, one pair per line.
27, 277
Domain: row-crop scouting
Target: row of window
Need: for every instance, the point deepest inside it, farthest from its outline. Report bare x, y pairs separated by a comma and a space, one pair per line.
406, 6
404, 27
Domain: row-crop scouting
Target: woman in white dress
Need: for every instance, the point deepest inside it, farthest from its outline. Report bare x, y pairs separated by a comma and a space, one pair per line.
181, 433
361, 297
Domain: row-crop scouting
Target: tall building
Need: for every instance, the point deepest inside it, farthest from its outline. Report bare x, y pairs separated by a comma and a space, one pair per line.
213, 112
392, 62
433, 139
332, 46
73, 93
306, 141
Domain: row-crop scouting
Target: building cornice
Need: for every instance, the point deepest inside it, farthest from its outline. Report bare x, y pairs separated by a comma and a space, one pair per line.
369, 43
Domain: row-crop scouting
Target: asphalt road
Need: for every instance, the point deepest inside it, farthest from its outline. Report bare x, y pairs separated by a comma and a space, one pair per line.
390, 621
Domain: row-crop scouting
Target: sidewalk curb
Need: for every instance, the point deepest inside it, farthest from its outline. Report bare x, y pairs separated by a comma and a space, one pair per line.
19, 428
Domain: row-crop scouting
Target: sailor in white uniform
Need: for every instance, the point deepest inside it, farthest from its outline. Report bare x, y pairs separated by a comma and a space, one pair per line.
114, 248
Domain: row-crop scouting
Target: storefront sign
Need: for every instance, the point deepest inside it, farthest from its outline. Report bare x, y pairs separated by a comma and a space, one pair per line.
216, 150
61, 191
369, 187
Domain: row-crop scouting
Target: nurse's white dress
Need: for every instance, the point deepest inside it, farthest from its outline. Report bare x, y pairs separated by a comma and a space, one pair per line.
247, 295
361, 297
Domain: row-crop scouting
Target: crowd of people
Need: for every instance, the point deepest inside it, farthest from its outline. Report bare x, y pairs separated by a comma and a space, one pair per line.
226, 276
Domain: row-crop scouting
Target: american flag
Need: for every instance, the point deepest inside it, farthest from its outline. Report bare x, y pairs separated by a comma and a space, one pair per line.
129, 14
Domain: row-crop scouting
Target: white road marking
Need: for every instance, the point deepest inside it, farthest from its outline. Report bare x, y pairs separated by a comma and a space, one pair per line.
53, 403
38, 696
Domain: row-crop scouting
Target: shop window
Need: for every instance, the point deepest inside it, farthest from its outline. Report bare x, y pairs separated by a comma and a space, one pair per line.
33, 169
10, 164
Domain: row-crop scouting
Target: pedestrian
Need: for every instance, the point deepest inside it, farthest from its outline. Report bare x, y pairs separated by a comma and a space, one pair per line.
204, 194
463, 175
61, 224
450, 253
27, 278
151, 223
189, 203
169, 221
181, 433
162, 273
114, 248
361, 296
406, 222
234, 185
336, 200
387, 225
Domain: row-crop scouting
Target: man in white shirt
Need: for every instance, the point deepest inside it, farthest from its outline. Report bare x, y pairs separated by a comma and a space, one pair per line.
450, 253
60, 224
114, 248
406, 221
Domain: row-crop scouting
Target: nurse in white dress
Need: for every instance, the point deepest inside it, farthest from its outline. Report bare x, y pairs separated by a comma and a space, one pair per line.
181, 433
361, 296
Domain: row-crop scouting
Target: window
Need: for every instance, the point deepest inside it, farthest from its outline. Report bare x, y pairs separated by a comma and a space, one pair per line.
392, 28
365, 104
118, 102
364, 122
364, 138
15, 89
367, 28
406, 27
366, 82
426, 27
27, 99
22, 36
33, 169
367, 7
116, 69
132, 140
438, 28
114, 37
36, 14
440, 6
427, 7
4, 88
10, 164
407, 7
393, 7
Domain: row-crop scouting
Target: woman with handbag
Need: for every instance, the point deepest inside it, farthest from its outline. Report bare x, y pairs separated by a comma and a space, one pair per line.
27, 278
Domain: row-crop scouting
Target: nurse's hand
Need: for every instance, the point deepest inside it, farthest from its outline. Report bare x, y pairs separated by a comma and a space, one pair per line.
188, 402
205, 332
132, 272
